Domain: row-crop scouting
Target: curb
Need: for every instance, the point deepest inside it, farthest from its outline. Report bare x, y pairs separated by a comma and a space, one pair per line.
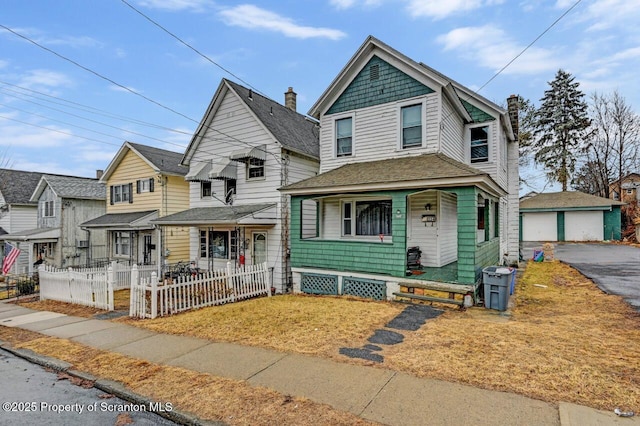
109, 386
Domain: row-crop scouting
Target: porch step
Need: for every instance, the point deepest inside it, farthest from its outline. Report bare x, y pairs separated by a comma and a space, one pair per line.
429, 298
443, 287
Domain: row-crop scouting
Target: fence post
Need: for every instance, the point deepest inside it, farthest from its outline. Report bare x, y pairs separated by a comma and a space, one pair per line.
154, 295
42, 273
70, 283
114, 268
110, 274
134, 295
268, 278
230, 284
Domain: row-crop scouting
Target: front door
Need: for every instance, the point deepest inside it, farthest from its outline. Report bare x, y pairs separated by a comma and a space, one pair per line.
146, 251
259, 247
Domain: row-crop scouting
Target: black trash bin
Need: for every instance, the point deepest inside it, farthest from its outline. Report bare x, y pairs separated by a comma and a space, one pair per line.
496, 281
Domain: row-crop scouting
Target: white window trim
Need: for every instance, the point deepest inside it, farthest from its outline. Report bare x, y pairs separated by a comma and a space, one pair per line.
353, 236
490, 143
334, 139
52, 211
406, 103
264, 170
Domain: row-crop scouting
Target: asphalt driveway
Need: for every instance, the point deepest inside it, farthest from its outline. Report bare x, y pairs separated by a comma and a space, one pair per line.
614, 268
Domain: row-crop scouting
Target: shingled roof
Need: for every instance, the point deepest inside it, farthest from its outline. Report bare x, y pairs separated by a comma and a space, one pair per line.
164, 161
292, 129
401, 170
72, 187
16, 186
566, 200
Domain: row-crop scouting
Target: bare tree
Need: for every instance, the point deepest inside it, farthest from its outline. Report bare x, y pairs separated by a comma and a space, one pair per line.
626, 125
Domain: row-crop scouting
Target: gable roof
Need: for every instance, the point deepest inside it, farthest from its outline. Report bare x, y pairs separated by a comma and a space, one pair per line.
15, 193
567, 200
452, 90
292, 130
160, 160
416, 171
71, 187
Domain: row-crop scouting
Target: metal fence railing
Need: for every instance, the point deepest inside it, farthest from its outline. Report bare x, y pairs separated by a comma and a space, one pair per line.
19, 285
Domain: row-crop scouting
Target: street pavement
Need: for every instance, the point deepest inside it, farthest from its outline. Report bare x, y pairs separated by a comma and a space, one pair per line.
380, 395
614, 268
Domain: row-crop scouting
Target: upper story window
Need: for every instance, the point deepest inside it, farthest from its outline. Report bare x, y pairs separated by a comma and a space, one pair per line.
121, 193
229, 190
411, 117
47, 209
480, 144
144, 185
344, 137
366, 218
255, 168
205, 189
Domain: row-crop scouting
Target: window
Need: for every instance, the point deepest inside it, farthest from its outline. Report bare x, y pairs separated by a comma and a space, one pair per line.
366, 218
121, 242
144, 185
346, 219
229, 190
629, 191
411, 117
47, 209
344, 137
255, 168
496, 219
121, 193
479, 144
205, 189
215, 244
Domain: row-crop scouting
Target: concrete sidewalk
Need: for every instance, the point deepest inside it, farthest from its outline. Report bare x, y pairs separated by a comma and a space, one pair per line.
376, 394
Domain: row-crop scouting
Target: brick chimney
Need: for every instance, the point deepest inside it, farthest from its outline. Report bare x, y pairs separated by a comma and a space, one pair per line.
512, 108
99, 173
290, 99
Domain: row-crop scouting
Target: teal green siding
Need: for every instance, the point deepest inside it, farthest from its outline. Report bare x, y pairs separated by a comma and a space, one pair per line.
560, 226
356, 256
476, 114
391, 85
613, 224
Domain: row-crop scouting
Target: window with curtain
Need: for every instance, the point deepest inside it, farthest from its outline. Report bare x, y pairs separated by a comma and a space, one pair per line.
373, 217
344, 137
411, 126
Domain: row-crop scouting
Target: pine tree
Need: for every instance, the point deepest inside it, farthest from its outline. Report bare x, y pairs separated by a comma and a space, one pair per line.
560, 127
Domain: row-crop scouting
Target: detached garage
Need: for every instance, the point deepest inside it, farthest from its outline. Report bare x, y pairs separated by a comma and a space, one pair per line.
569, 216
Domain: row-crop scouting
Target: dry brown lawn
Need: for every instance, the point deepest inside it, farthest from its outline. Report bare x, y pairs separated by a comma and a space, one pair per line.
564, 340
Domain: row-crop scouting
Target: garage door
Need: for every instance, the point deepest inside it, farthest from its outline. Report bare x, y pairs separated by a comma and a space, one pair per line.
539, 226
583, 226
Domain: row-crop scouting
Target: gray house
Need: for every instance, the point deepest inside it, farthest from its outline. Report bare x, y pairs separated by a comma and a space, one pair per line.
61, 204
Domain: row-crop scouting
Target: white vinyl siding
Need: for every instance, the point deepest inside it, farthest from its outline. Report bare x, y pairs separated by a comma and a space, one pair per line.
376, 132
452, 133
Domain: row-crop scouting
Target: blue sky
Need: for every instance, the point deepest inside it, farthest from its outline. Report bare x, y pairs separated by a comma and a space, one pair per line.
61, 117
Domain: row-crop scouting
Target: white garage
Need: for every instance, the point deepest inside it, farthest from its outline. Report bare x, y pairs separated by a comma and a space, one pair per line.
539, 226
583, 226
569, 216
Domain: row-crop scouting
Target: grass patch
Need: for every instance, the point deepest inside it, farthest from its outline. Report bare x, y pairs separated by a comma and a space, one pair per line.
209, 397
120, 302
292, 323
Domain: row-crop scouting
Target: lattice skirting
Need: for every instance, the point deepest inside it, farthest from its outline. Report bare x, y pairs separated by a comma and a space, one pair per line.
319, 284
361, 287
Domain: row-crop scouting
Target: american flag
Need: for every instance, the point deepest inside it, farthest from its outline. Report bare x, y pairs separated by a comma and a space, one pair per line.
11, 253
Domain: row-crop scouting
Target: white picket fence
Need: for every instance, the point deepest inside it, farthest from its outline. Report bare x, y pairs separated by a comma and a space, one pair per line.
89, 287
151, 298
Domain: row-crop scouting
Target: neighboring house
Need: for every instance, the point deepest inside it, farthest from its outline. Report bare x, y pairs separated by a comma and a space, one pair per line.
630, 188
17, 211
143, 183
408, 158
63, 203
244, 149
569, 216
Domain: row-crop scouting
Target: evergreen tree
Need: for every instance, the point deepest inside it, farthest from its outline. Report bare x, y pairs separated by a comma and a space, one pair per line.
560, 127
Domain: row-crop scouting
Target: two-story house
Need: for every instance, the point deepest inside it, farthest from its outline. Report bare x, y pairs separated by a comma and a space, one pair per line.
142, 184
62, 203
629, 185
17, 211
245, 147
418, 181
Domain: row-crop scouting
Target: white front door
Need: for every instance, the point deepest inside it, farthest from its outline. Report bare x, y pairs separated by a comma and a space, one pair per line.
259, 247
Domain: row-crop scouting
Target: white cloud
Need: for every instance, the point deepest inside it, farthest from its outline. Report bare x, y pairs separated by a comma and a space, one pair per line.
122, 89
47, 78
253, 17
443, 9
490, 47
346, 4
177, 5
23, 136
